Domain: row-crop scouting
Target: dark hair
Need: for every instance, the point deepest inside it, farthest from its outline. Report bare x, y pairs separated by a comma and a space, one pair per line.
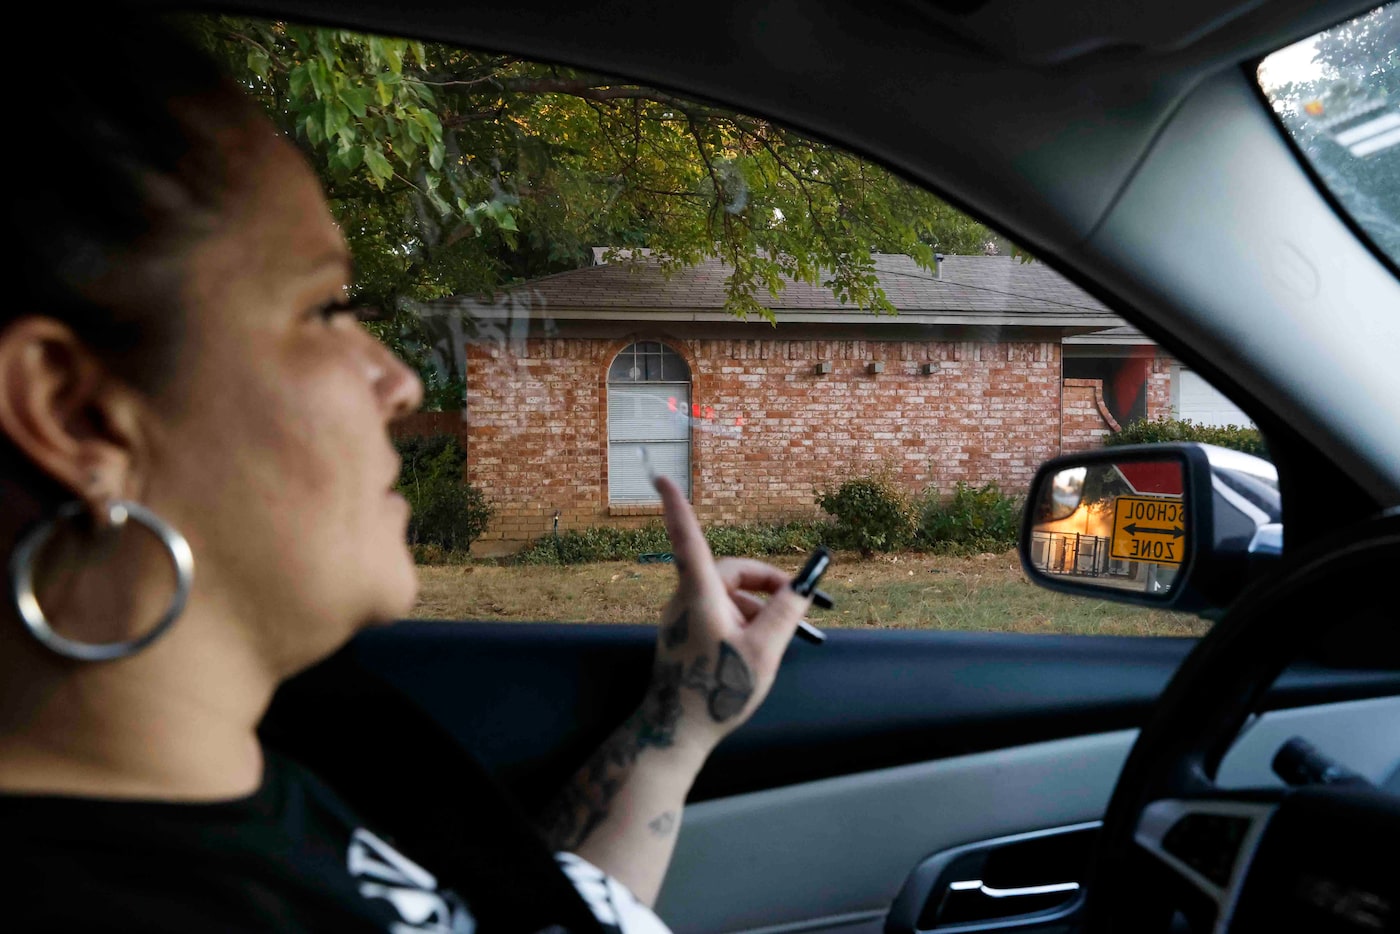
127, 169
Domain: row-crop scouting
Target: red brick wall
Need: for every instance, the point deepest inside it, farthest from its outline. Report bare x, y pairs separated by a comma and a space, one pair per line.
537, 408
1159, 386
538, 431
1085, 419
423, 424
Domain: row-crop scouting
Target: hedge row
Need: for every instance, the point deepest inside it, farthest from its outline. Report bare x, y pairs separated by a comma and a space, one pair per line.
1154, 431
602, 543
868, 514
872, 514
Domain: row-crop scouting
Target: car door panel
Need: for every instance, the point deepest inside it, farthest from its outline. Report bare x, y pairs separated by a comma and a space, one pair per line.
844, 845
831, 855
531, 700
873, 752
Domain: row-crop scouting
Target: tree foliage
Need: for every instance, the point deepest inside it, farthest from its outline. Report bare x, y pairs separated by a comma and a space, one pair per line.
456, 172
447, 512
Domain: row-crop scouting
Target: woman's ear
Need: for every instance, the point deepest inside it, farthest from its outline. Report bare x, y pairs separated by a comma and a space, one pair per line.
62, 409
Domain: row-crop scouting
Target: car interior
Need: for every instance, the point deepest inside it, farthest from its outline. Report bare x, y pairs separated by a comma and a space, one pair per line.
925, 780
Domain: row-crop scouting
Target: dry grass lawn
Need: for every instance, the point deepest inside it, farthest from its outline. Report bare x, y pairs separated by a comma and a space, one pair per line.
987, 593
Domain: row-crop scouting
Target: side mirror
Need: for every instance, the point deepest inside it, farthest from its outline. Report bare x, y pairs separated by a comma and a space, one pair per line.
1181, 525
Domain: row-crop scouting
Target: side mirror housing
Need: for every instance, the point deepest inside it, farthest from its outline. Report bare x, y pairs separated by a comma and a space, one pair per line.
1183, 526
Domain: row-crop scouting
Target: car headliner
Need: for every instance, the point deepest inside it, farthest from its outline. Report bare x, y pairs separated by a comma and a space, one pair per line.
1125, 144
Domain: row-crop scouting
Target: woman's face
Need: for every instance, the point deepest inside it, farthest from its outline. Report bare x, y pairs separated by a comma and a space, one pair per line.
271, 451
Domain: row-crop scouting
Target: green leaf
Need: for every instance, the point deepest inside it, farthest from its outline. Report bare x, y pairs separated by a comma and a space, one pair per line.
393, 52
311, 126
435, 156
259, 63
356, 100
326, 47
380, 169
298, 80
383, 91
337, 118
320, 78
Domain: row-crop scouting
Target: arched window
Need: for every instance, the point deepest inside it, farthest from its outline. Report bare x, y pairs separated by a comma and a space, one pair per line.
648, 411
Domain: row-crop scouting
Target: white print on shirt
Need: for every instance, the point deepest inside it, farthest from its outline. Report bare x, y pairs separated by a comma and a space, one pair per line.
385, 873
612, 903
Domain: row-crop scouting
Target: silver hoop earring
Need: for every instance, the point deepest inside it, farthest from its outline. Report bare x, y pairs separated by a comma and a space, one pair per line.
118, 512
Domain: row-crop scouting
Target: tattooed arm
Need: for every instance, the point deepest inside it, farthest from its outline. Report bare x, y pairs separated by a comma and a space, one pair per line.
717, 653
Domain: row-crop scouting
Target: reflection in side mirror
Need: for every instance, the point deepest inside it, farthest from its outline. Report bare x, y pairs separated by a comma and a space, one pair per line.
1066, 493
1119, 525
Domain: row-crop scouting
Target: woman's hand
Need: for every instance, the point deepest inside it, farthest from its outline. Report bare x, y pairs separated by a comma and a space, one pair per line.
717, 652
718, 646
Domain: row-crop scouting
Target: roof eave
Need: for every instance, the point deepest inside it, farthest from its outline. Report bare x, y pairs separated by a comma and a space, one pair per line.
495, 312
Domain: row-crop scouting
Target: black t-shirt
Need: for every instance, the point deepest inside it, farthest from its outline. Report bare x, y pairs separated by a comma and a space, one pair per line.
290, 857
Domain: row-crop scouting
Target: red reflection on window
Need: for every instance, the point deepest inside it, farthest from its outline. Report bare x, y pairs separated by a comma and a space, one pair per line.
671, 404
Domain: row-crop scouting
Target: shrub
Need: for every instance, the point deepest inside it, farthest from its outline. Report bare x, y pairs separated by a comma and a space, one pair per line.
871, 514
437, 555
754, 541
596, 543
1155, 431
448, 512
973, 520
602, 543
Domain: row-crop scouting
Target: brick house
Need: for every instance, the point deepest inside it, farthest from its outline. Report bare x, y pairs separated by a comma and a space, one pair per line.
990, 367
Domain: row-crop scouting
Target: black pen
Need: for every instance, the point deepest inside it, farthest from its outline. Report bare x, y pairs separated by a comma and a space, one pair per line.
805, 585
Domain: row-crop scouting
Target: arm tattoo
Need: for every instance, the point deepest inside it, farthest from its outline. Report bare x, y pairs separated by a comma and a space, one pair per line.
676, 632
728, 690
585, 801
656, 721
733, 684
663, 824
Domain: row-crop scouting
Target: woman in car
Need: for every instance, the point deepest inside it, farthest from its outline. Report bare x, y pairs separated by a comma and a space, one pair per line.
197, 473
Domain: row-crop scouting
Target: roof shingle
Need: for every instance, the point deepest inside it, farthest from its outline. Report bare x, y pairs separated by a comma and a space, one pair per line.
996, 288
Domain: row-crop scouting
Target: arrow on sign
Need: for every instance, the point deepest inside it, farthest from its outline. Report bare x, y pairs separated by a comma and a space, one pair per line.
1136, 529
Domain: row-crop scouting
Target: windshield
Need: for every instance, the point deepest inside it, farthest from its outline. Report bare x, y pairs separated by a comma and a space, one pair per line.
1338, 95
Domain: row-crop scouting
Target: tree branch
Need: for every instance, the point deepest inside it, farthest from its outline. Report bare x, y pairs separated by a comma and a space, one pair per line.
272, 59
589, 90
801, 186
456, 80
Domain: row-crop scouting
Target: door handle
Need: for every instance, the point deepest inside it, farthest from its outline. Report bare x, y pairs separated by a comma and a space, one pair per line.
976, 885
973, 902
1015, 883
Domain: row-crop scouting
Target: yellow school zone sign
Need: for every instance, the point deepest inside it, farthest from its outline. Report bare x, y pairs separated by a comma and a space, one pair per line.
1148, 529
